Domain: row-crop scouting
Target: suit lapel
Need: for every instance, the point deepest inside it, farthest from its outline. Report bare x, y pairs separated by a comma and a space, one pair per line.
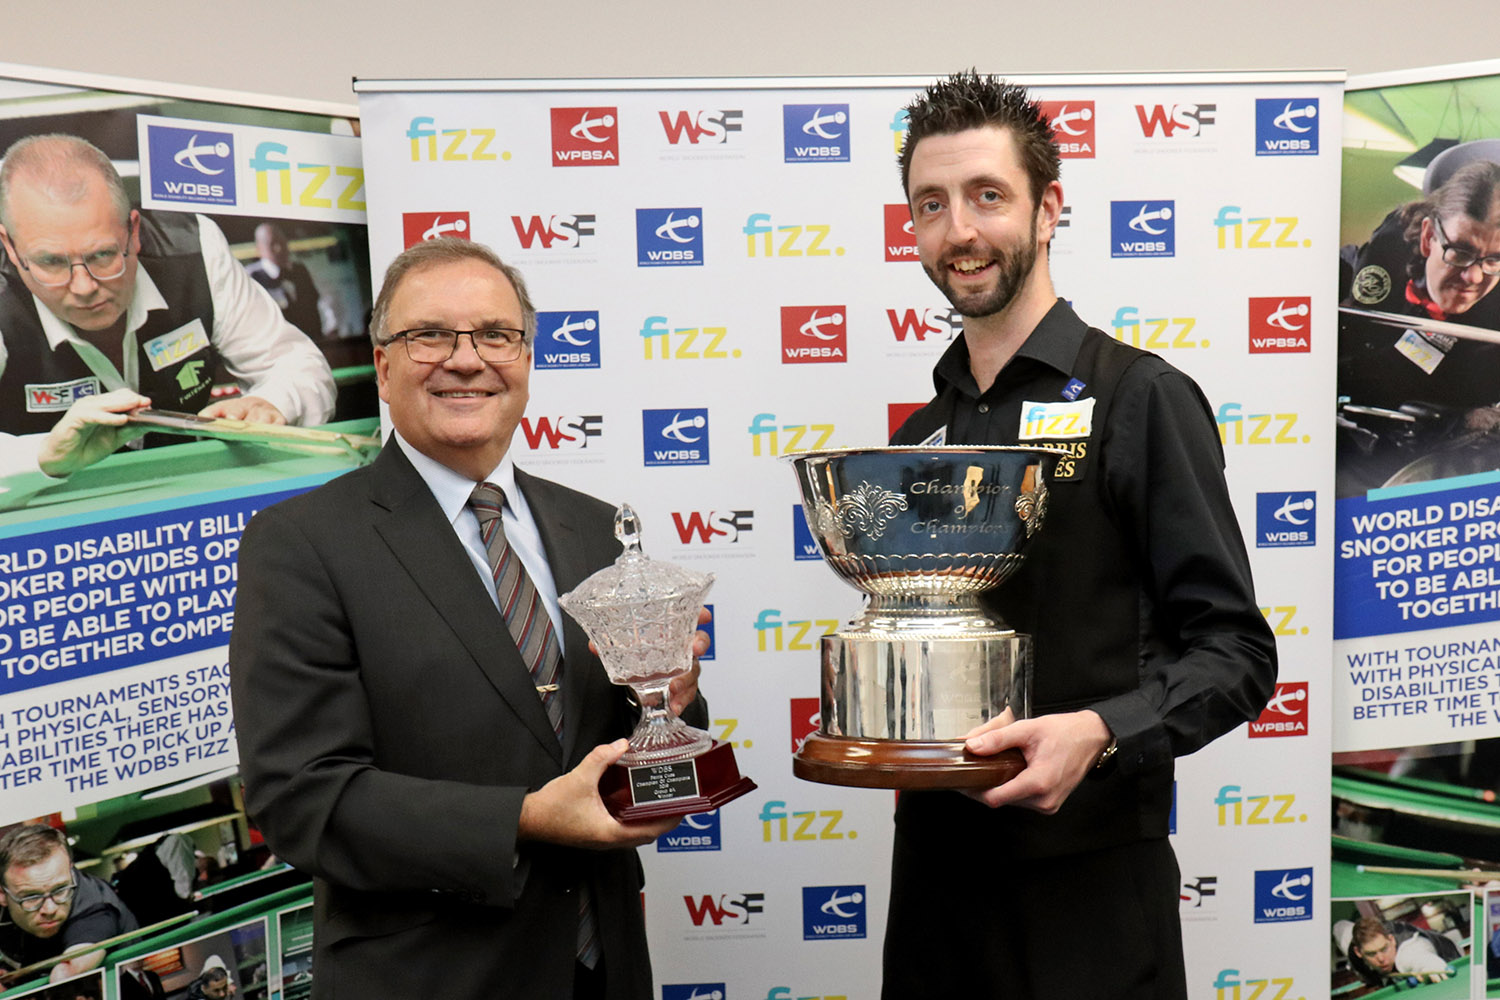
423, 542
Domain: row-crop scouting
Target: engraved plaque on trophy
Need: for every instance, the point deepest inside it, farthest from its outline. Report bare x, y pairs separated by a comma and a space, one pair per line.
642, 614
922, 531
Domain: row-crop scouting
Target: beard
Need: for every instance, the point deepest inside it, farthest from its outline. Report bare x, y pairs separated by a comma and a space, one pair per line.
1011, 270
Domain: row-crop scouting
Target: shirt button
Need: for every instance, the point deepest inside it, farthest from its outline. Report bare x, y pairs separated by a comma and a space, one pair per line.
984, 407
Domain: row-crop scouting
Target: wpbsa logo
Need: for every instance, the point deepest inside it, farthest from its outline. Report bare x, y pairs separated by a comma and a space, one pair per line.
900, 235
585, 137
1285, 714
1281, 325
1072, 127
700, 127
807, 718
896, 415
713, 526
561, 433
813, 335
418, 227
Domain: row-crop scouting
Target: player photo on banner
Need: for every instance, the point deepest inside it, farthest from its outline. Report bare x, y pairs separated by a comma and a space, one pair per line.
1420, 942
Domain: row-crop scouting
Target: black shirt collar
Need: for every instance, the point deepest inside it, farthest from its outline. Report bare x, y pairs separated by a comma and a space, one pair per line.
1054, 343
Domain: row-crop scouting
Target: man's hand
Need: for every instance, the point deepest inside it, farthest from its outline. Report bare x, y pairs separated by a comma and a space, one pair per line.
1059, 751
569, 811
251, 408
92, 428
685, 688
79, 961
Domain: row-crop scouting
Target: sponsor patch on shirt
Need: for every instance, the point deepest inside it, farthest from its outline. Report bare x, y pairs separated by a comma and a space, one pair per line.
1372, 284
54, 397
1056, 421
171, 348
936, 439
1420, 351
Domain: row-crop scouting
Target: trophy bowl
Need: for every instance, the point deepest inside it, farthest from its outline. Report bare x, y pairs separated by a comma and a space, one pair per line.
923, 532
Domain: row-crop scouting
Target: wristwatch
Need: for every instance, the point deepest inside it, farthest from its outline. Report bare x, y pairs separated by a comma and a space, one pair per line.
1107, 754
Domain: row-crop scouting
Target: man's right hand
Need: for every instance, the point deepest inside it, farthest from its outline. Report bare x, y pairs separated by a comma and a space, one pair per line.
92, 428
568, 810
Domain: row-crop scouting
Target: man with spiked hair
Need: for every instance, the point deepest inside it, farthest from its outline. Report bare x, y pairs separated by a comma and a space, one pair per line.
1147, 639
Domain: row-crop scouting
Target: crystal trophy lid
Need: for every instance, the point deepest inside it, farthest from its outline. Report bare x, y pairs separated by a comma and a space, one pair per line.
635, 578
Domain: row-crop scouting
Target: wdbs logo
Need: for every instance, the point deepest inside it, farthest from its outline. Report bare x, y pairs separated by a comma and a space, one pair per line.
194, 166
1142, 229
813, 334
669, 237
692, 991
815, 133
418, 227
1280, 324
1286, 127
1285, 519
585, 137
1283, 894
803, 544
1072, 127
675, 437
833, 912
696, 832
1285, 714
567, 339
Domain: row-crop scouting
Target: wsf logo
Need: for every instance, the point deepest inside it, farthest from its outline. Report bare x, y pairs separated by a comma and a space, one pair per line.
1283, 894
813, 334
1281, 324
567, 339
833, 912
558, 433
1143, 229
1286, 519
675, 437
585, 137
1285, 714
669, 237
1169, 120
1286, 126
696, 832
1072, 127
418, 227
567, 231
55, 397
735, 910
803, 544
700, 127
692, 991
815, 133
194, 166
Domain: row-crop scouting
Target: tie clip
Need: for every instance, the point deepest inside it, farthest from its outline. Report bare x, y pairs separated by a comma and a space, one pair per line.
546, 688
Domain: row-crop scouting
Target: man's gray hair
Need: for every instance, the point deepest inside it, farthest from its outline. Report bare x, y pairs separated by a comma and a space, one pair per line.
432, 253
60, 165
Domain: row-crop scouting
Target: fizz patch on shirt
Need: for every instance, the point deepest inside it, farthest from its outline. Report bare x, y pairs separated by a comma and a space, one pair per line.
54, 397
181, 343
1056, 421
1420, 351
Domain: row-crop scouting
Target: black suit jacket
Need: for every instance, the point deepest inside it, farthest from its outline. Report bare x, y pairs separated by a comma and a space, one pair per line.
389, 731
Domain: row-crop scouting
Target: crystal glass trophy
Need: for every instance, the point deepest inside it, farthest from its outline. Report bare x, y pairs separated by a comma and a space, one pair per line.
642, 615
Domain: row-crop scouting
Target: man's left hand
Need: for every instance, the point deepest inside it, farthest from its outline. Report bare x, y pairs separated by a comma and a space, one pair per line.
1059, 751
251, 408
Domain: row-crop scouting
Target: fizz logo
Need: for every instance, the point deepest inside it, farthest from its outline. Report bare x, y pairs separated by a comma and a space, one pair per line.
561, 433
900, 233
675, 437
451, 145
669, 237
566, 232
1281, 618
57, 396
713, 526
833, 912
1143, 229
1264, 232
807, 718
1235, 808
1156, 333
585, 137
692, 991
900, 122
1072, 127
733, 910
777, 825
1283, 894
770, 438
773, 634
1281, 324
1285, 714
786, 241
941, 325
418, 227
815, 133
699, 128
804, 546
318, 185
1238, 427
1229, 982
785, 993
1174, 120
693, 343
191, 166
1286, 519
813, 335
696, 832
1286, 126
1195, 892
567, 339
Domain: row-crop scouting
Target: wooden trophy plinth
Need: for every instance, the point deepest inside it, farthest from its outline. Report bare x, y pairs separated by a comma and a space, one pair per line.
908, 764
674, 787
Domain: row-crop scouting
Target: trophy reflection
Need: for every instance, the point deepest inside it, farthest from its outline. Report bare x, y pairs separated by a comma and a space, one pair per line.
642, 616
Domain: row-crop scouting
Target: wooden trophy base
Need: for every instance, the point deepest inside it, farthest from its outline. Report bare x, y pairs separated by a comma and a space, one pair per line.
673, 788
838, 760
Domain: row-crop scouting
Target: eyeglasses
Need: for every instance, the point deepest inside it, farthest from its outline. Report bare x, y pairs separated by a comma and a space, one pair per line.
59, 896
55, 270
434, 345
1462, 257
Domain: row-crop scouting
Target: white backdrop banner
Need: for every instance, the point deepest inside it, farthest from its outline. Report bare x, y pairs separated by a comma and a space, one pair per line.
726, 274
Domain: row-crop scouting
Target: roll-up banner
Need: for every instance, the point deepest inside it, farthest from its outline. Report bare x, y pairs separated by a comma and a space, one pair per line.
726, 274
206, 249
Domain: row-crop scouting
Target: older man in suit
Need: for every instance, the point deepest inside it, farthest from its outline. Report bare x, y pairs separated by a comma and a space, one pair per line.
432, 762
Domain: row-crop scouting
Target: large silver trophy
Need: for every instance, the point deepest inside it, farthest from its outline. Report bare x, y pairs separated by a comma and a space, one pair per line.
923, 531
642, 616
